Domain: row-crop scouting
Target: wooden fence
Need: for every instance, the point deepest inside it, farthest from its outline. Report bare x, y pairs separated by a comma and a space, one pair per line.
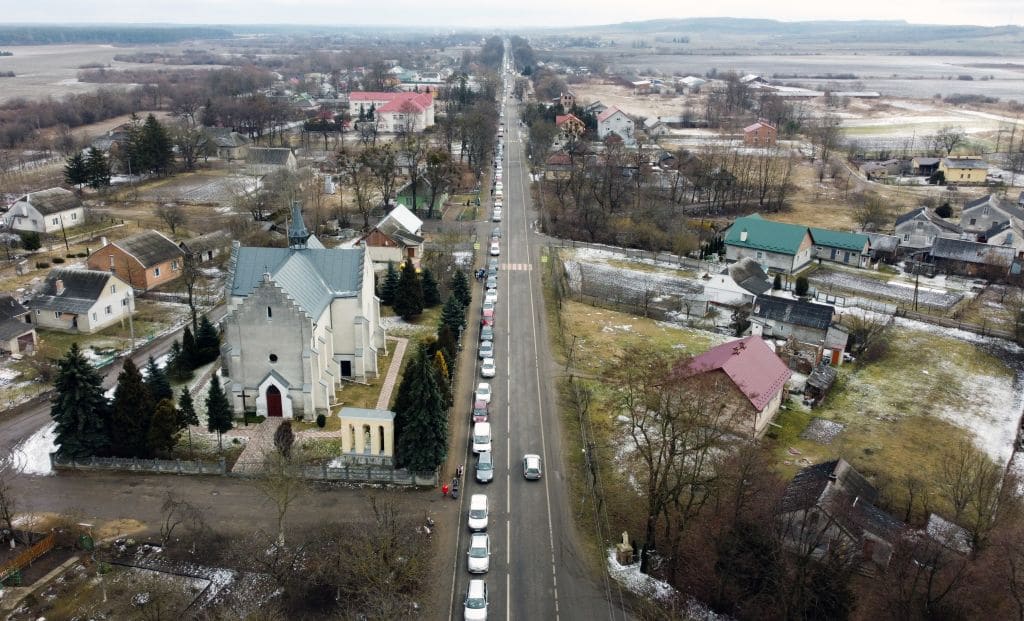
34, 551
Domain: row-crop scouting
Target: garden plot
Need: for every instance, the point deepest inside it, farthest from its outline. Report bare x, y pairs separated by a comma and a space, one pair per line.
588, 273
827, 279
200, 189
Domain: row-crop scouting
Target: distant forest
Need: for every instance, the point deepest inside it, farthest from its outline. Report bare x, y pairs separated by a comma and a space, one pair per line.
48, 35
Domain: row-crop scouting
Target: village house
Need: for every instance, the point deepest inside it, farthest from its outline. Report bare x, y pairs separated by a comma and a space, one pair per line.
395, 238
595, 108
45, 211
808, 323
404, 196
656, 127
558, 166
300, 321
760, 134
884, 247
229, 144
775, 246
754, 376
831, 504
81, 301
265, 160
567, 100
615, 121
840, 247
206, 248
983, 215
570, 129
144, 260
394, 111
963, 170
925, 166
969, 258
918, 229
17, 334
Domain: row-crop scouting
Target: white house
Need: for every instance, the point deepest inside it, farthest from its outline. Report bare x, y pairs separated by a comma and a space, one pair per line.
83, 301
394, 111
46, 211
615, 121
300, 321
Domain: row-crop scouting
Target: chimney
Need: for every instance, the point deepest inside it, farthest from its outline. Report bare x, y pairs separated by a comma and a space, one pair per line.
103, 241
743, 235
60, 286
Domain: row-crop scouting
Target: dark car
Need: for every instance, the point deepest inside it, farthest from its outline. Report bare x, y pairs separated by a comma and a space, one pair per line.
480, 411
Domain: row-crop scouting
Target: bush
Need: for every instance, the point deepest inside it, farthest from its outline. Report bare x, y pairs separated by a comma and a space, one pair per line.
321, 421
57, 260
42, 264
82, 255
70, 255
944, 211
802, 286
30, 240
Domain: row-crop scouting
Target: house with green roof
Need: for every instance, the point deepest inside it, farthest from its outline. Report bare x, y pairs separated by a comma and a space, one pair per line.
841, 247
301, 320
776, 246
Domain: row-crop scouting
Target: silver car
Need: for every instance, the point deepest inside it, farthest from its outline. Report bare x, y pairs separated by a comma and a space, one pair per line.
484, 468
531, 467
479, 556
486, 349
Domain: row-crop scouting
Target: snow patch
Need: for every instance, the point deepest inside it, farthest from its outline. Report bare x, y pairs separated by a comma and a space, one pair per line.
33, 455
630, 577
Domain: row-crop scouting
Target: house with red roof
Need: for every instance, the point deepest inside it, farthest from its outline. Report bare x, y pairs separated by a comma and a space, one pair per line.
570, 127
752, 377
394, 112
615, 121
760, 134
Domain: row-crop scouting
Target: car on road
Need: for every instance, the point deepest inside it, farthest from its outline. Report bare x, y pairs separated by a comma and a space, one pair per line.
487, 333
495, 249
492, 271
483, 392
480, 412
481, 437
488, 306
477, 512
488, 369
496, 234
487, 318
474, 608
495, 217
479, 555
492, 282
532, 470
486, 349
484, 468
491, 296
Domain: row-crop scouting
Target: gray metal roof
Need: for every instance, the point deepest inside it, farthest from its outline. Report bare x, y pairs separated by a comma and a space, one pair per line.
149, 247
796, 312
12, 322
209, 241
880, 242
971, 252
993, 201
81, 290
54, 200
266, 155
310, 276
10, 308
366, 413
748, 274
923, 213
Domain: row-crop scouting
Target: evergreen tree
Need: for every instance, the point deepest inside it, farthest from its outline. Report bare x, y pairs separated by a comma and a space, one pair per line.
453, 315
409, 297
79, 408
431, 294
75, 172
30, 240
443, 378
97, 169
157, 382
207, 342
421, 418
187, 415
447, 343
130, 414
218, 411
178, 368
802, 286
460, 287
284, 437
189, 350
163, 429
390, 286
152, 147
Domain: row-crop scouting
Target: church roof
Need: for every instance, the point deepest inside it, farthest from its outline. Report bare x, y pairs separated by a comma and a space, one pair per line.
310, 276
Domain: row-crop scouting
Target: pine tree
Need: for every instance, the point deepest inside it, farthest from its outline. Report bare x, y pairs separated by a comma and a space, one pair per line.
460, 288
187, 415
448, 344
218, 411
130, 414
431, 294
163, 429
157, 382
177, 366
189, 350
421, 418
443, 378
390, 286
97, 169
75, 172
79, 408
153, 147
207, 342
453, 315
409, 297
284, 437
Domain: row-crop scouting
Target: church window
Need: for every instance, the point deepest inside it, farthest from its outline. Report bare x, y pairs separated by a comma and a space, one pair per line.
270, 313
273, 357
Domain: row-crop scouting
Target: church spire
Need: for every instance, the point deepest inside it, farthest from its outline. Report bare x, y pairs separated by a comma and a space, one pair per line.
297, 233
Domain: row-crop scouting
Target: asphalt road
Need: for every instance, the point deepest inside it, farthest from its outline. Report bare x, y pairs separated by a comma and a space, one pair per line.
537, 570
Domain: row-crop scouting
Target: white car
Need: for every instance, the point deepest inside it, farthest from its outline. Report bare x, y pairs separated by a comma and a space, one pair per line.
532, 469
495, 217
483, 392
495, 249
479, 557
488, 368
491, 296
475, 606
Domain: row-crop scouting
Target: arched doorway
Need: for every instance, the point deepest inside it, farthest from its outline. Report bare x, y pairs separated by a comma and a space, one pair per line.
273, 401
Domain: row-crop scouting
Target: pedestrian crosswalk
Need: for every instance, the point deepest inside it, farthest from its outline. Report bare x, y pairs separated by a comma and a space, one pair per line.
522, 267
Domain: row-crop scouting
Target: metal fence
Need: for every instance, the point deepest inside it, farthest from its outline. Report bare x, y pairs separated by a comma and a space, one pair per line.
161, 466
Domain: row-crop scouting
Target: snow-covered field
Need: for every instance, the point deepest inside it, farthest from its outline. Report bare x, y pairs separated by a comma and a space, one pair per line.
826, 279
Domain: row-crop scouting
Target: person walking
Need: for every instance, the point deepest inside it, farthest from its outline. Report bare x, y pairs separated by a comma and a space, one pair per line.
444, 489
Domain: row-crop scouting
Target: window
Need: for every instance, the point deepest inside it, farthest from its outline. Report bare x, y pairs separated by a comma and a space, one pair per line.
111, 259
124, 302
57, 314
974, 221
108, 310
273, 358
74, 216
55, 221
94, 316
156, 271
174, 265
270, 313
906, 237
113, 288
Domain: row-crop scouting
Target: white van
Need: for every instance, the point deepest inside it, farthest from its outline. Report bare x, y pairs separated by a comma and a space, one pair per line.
477, 512
481, 437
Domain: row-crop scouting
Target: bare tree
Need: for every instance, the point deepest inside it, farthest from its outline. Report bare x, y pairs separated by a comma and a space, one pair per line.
172, 215
872, 211
281, 482
949, 138
177, 512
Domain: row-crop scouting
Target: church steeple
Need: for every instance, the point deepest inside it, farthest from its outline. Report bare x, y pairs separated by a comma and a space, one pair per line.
297, 233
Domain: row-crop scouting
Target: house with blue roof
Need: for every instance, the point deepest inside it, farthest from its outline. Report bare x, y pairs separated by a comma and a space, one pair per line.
301, 320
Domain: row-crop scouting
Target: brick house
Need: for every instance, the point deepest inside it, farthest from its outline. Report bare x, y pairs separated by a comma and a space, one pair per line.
145, 260
760, 134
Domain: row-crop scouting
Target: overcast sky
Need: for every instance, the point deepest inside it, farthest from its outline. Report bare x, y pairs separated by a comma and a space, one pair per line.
503, 14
